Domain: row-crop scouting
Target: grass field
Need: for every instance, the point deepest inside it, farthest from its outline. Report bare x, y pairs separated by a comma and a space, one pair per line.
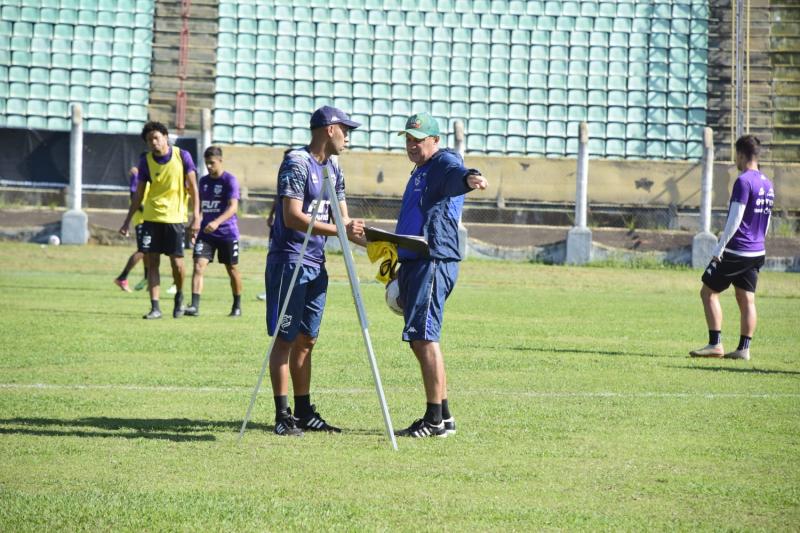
576, 403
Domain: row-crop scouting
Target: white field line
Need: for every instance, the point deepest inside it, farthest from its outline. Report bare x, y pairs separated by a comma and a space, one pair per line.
356, 391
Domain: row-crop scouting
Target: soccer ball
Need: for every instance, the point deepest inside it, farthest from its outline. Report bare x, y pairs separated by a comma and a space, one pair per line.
54, 240
393, 296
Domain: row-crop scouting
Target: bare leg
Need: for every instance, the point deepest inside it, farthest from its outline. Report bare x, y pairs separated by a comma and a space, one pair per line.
747, 308
177, 271
236, 279
197, 275
712, 308
431, 363
279, 366
300, 364
153, 277
129, 266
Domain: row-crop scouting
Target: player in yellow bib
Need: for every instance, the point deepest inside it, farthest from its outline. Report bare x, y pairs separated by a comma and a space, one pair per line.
172, 178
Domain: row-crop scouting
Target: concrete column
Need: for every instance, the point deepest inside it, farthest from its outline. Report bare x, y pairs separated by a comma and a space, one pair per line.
704, 241
75, 223
460, 145
205, 132
579, 238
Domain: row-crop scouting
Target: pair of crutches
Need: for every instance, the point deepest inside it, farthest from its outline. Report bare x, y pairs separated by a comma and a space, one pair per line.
329, 188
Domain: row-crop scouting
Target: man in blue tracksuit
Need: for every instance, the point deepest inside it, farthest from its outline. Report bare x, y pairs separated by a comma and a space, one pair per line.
431, 208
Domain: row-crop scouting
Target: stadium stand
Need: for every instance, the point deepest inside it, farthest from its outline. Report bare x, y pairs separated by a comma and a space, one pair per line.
520, 74
96, 52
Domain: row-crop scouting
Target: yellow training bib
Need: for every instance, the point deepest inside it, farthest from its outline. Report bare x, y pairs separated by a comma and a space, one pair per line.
167, 199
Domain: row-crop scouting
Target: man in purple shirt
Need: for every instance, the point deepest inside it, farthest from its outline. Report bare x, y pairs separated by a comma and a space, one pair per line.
739, 253
219, 230
300, 188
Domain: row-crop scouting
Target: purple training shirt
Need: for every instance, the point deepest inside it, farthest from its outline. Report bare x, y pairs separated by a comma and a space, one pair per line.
754, 190
215, 196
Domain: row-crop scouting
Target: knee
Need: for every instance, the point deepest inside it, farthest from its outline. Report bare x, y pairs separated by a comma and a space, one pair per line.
706, 294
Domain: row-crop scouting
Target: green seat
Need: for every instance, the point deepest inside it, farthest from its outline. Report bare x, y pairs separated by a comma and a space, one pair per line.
636, 130
495, 144
535, 145
58, 92
635, 148
637, 114
99, 94
576, 113
555, 147
597, 113
616, 113
242, 134
615, 148
222, 133
557, 97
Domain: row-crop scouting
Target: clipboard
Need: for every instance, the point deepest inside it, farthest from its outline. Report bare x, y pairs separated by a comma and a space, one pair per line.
409, 242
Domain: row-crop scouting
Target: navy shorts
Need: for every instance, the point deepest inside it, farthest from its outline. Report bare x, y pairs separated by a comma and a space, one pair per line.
424, 287
734, 269
227, 250
306, 304
162, 238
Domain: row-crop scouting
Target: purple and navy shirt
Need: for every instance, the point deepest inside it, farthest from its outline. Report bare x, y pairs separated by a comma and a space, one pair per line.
186, 157
753, 190
432, 204
300, 177
215, 197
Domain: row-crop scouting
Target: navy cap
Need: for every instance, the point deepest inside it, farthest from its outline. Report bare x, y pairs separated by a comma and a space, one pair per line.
327, 115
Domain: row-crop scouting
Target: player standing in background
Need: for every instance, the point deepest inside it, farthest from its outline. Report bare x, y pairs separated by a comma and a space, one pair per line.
300, 187
171, 175
431, 208
219, 230
122, 280
739, 254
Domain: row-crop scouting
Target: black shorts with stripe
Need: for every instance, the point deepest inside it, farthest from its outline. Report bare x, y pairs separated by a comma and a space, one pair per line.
739, 270
162, 238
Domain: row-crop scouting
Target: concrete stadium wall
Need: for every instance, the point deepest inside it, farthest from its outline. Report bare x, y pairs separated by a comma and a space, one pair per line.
656, 183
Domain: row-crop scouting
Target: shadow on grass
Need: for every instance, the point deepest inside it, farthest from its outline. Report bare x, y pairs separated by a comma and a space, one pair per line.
174, 429
744, 370
582, 351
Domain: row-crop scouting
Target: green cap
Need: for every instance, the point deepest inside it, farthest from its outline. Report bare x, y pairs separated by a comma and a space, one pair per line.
421, 125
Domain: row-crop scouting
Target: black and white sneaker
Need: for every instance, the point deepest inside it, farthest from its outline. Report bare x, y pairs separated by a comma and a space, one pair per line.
449, 425
421, 428
314, 422
191, 311
154, 314
286, 426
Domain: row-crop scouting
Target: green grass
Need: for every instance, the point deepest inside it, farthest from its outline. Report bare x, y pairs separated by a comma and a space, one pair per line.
577, 407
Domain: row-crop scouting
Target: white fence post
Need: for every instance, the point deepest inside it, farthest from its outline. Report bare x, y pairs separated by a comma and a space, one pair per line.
75, 223
704, 241
579, 238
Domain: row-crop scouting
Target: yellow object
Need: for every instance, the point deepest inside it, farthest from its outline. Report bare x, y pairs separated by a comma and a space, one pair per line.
138, 216
386, 252
167, 197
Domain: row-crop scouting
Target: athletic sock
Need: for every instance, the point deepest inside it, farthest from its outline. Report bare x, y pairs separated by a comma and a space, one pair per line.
445, 409
154, 305
178, 298
433, 413
744, 342
714, 337
237, 301
123, 276
281, 406
302, 405
145, 272
195, 300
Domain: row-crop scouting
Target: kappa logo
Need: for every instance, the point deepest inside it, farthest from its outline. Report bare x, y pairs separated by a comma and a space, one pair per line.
217, 189
334, 118
412, 329
286, 322
761, 191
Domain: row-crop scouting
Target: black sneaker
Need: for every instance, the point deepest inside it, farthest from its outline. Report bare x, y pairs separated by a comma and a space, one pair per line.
286, 425
449, 425
191, 311
421, 428
235, 312
314, 422
152, 315
177, 310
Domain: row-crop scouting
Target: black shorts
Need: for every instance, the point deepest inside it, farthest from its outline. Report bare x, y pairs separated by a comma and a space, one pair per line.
162, 238
227, 251
737, 269
139, 238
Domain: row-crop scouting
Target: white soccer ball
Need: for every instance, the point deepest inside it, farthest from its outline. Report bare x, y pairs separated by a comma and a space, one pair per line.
54, 240
392, 297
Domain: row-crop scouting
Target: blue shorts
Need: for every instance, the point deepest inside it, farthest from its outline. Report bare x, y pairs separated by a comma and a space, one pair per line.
304, 312
424, 287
